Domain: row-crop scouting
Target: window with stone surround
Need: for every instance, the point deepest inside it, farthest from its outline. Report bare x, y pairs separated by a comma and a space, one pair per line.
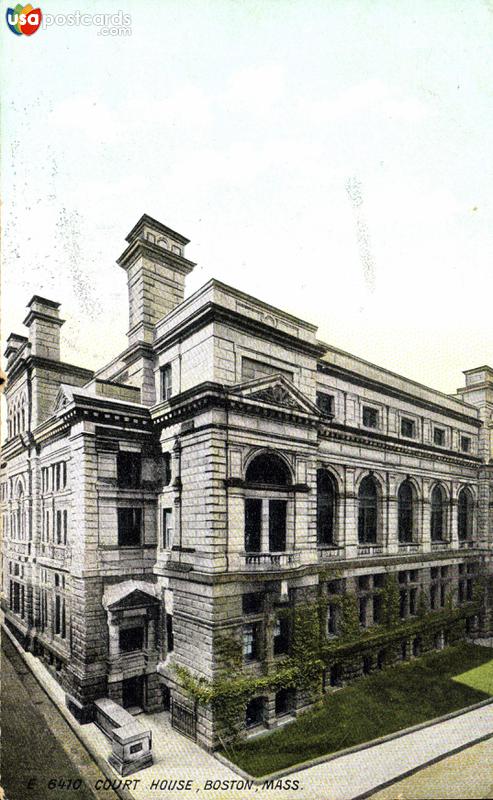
266, 515
255, 711
129, 527
368, 511
439, 437
167, 528
371, 417
406, 505
284, 702
325, 403
61, 518
326, 507
131, 639
465, 510
166, 382
439, 582
170, 642
408, 592
438, 514
408, 428
251, 641
166, 468
465, 444
128, 469
252, 603
281, 636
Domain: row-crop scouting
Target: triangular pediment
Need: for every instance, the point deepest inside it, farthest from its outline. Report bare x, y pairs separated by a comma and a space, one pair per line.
135, 599
276, 390
129, 594
64, 397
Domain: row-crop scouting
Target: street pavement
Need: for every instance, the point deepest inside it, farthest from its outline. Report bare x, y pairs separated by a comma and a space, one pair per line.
38, 746
346, 777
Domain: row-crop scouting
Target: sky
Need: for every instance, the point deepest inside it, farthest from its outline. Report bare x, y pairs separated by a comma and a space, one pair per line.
332, 158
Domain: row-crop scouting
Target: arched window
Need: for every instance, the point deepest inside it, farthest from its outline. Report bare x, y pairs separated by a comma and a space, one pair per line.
405, 502
268, 469
438, 513
466, 513
266, 516
326, 502
367, 510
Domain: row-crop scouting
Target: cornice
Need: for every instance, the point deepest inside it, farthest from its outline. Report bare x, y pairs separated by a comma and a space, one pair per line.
381, 442
213, 312
382, 388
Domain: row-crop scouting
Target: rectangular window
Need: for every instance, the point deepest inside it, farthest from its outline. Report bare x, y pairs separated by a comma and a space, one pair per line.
402, 604
377, 609
408, 428
167, 529
64, 474
252, 603
362, 611
250, 641
465, 444
253, 524
378, 580
370, 417
131, 639
65, 527
166, 468
254, 714
170, 642
325, 403
129, 527
281, 636
413, 597
332, 620
60, 623
166, 384
277, 525
439, 436
58, 527
128, 469
57, 476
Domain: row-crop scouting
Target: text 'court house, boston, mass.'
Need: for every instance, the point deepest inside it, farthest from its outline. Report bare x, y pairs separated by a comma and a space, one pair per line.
232, 517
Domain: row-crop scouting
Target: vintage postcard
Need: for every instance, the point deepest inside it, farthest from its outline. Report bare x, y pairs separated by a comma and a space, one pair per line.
246, 475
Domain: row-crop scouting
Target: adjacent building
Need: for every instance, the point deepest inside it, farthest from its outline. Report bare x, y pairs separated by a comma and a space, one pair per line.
233, 517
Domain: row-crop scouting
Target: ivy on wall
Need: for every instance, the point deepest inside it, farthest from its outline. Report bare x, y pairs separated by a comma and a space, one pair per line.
311, 653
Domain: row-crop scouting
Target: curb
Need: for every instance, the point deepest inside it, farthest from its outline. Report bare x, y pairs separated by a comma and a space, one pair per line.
303, 765
103, 765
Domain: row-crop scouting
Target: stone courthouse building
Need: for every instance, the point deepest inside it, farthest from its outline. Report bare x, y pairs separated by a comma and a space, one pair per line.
232, 517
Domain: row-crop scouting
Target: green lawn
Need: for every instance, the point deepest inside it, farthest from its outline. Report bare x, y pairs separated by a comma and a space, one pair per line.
374, 706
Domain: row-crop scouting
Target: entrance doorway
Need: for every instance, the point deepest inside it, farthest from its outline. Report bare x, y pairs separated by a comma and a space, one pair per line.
133, 692
166, 698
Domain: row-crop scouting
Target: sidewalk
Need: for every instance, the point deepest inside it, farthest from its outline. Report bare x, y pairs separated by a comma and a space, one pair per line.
346, 777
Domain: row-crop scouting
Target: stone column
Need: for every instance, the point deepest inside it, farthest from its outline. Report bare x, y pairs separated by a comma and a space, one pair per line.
350, 501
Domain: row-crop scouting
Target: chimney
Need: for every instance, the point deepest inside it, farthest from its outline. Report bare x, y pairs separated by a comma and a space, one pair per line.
156, 270
44, 325
14, 343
